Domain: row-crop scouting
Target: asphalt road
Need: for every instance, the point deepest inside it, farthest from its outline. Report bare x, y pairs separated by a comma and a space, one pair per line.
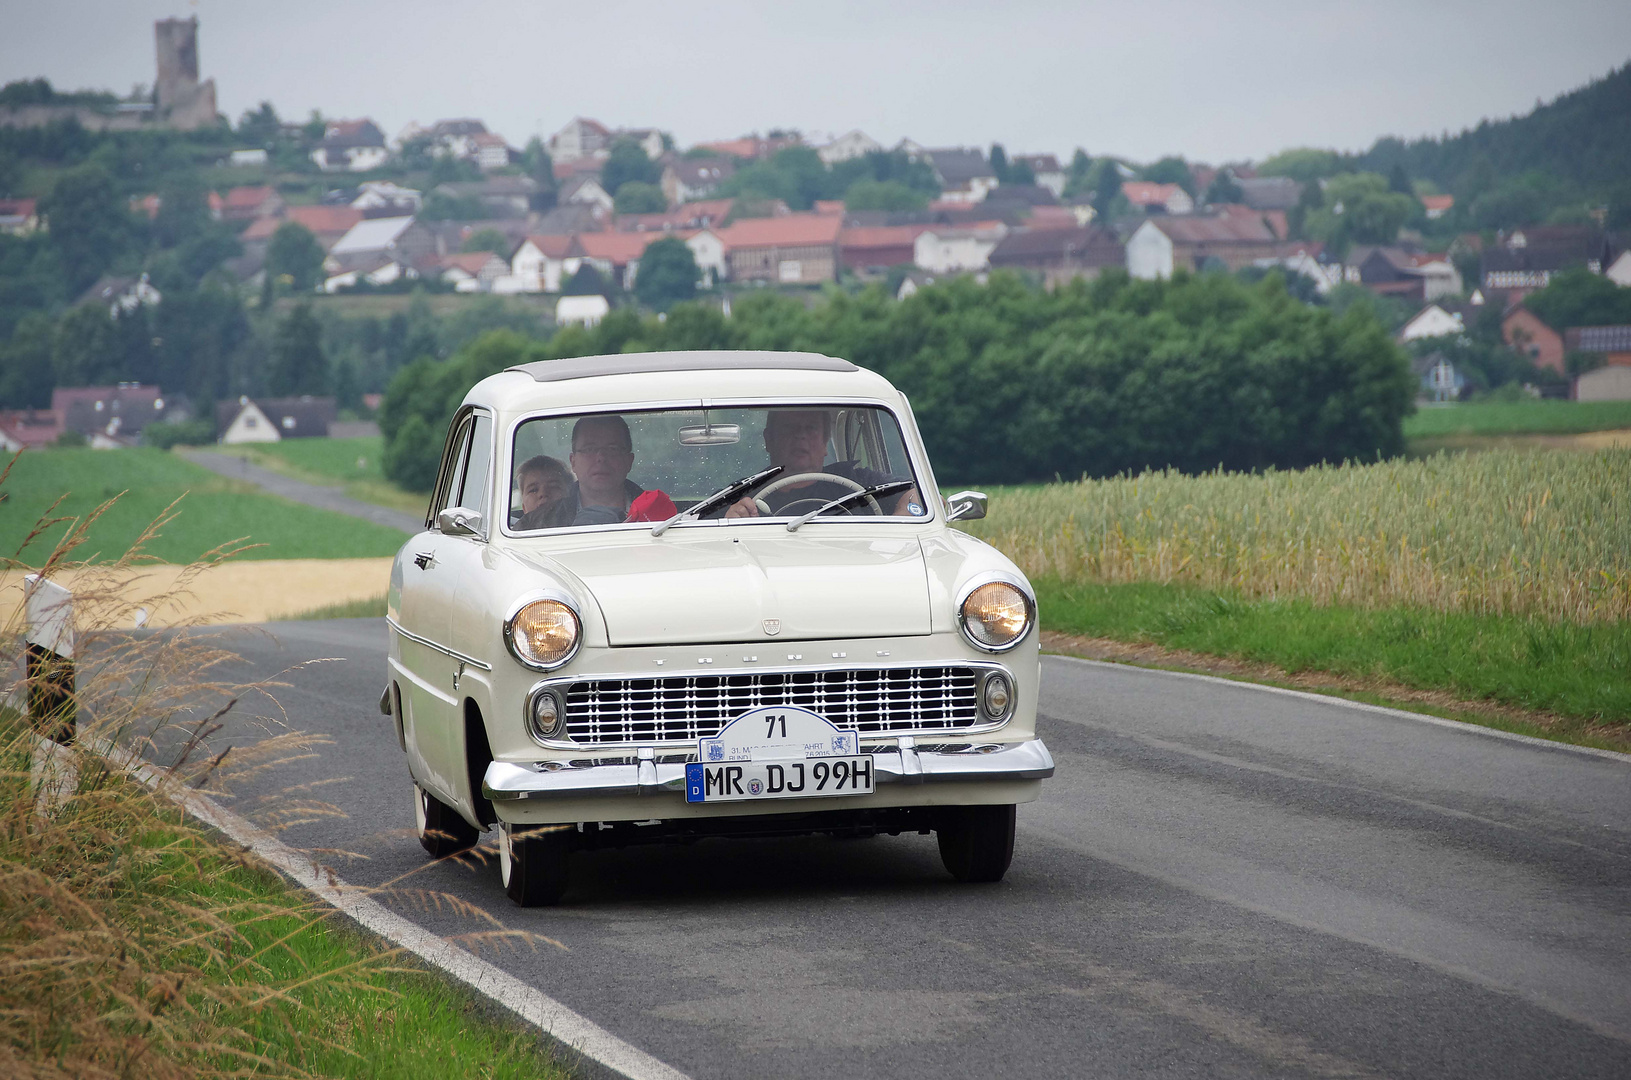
1219, 882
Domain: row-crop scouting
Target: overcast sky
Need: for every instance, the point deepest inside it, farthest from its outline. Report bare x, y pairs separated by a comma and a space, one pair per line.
1136, 78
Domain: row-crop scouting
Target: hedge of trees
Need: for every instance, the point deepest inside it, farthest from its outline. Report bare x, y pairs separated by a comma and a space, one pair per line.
1010, 383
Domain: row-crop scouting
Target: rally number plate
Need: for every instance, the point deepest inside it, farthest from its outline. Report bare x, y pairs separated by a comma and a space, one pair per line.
780, 752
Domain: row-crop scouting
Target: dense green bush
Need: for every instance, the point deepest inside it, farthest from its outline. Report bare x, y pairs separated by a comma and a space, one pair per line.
1010, 383
196, 432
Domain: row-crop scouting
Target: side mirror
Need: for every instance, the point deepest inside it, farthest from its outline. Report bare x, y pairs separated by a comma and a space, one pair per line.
459, 521
965, 506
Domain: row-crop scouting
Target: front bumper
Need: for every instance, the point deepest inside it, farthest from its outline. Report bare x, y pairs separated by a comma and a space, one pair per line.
904, 762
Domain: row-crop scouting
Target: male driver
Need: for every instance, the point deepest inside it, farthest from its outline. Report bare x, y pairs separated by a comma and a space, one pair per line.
796, 439
602, 455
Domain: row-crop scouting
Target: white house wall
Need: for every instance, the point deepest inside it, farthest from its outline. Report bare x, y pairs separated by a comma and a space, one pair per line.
250, 426
1149, 253
1604, 384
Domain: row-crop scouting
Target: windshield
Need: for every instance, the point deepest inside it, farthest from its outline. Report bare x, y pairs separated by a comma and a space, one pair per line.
608, 468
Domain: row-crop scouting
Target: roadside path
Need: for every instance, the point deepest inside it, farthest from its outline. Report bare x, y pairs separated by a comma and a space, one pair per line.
318, 495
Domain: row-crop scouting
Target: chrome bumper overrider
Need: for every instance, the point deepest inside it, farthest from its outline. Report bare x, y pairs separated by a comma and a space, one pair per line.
906, 763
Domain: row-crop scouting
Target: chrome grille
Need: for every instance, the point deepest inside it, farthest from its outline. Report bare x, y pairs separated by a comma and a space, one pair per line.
686, 707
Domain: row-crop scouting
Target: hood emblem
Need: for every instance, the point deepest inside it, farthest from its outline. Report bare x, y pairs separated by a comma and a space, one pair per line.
773, 627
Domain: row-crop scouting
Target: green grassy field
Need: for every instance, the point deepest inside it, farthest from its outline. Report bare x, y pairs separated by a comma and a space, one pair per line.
1582, 673
1518, 418
356, 464
214, 511
1505, 532
1502, 577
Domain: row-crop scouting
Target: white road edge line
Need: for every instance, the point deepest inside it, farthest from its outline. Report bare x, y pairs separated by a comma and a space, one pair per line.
1422, 718
535, 1007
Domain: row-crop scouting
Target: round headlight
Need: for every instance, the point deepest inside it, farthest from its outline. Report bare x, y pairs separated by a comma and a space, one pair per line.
544, 634
545, 715
996, 615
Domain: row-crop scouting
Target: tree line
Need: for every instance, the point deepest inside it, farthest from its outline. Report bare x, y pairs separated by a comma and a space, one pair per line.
1011, 383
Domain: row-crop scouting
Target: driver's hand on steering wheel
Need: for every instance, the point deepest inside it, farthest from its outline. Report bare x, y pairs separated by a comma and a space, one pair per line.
741, 508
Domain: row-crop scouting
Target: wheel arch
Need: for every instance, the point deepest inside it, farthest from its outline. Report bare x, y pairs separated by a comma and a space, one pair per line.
478, 754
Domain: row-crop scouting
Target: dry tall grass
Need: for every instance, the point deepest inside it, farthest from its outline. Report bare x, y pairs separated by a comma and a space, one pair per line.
134, 943
1504, 532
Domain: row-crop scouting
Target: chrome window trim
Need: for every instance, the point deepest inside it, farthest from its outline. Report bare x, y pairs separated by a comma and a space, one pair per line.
982, 667
444, 474
463, 658
987, 578
561, 597
476, 413
919, 464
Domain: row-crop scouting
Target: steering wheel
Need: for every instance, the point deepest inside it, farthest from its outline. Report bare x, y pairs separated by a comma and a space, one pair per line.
809, 477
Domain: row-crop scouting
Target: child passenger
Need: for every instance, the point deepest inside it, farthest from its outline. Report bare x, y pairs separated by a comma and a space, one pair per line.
543, 480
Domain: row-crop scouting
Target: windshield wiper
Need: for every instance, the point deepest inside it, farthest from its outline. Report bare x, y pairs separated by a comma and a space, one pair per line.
724, 495
876, 490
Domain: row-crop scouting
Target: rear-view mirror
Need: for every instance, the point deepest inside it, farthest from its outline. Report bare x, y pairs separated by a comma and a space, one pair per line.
710, 434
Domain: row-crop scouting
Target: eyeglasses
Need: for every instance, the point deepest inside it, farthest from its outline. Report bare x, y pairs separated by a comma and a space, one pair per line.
601, 451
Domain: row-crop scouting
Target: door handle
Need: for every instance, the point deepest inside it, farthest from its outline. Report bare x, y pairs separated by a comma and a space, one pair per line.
424, 559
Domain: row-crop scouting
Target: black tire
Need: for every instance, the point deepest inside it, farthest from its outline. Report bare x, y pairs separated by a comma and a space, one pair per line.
977, 842
533, 863
442, 832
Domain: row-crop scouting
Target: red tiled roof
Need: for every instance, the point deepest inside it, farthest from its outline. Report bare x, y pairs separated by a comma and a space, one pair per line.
1438, 202
553, 247
877, 236
618, 249
246, 198
829, 206
687, 215
742, 148
1146, 193
566, 170
1051, 217
471, 262
31, 427
17, 207
788, 230
332, 220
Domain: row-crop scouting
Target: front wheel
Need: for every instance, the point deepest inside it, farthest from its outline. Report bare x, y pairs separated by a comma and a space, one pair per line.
977, 842
532, 862
441, 830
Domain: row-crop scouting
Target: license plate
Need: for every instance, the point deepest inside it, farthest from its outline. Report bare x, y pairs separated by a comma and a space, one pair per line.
778, 752
778, 779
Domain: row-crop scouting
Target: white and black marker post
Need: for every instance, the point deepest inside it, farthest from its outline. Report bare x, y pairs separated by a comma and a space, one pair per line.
49, 667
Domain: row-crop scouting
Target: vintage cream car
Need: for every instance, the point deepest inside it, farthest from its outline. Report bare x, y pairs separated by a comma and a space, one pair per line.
677, 595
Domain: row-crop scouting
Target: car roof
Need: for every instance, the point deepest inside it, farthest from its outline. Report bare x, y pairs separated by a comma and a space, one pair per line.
676, 377
588, 367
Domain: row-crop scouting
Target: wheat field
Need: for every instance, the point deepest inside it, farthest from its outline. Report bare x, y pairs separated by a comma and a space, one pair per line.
1536, 533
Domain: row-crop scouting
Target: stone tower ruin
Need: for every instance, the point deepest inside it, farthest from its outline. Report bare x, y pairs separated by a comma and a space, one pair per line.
181, 101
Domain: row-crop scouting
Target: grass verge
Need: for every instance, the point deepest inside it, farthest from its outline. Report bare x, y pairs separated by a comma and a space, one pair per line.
354, 464
136, 944
1556, 680
372, 608
215, 510
1518, 418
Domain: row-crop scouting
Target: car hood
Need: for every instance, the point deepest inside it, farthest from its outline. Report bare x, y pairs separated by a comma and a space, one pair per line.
739, 588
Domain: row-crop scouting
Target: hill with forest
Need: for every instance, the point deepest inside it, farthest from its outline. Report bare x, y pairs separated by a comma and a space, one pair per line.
1583, 138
